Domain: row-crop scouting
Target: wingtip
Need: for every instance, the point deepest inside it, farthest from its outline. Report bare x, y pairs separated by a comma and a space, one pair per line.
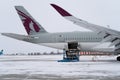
60, 10
52, 4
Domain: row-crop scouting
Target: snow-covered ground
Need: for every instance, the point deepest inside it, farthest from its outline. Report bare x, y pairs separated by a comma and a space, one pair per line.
47, 65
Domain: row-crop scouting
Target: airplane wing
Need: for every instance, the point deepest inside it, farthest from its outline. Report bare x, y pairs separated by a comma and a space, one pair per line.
108, 34
83, 23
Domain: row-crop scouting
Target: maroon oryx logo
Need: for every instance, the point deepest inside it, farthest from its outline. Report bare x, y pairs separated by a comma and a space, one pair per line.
29, 24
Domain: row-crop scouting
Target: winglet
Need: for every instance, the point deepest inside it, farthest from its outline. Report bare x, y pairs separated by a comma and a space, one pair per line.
61, 10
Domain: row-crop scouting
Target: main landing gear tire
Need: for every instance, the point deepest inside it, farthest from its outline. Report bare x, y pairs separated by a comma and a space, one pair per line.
118, 58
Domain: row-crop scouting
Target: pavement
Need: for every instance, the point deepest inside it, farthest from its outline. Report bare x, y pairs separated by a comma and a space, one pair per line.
46, 67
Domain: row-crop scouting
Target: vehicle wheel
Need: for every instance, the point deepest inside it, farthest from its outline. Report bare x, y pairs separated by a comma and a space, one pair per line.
118, 58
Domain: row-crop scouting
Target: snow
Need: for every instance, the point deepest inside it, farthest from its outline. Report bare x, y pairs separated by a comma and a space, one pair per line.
47, 64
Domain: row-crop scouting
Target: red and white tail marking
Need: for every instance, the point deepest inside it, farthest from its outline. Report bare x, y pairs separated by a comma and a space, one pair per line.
31, 26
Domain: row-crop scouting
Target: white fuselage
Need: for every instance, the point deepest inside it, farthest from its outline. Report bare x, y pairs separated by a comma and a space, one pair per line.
86, 40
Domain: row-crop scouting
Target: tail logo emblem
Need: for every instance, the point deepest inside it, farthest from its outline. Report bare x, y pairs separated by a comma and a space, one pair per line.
30, 24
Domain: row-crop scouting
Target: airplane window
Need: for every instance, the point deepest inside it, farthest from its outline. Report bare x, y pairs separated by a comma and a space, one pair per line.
60, 35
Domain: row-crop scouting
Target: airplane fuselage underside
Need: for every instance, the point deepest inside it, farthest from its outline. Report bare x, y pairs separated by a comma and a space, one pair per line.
84, 46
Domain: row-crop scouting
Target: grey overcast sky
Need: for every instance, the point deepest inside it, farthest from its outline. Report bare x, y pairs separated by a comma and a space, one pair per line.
101, 12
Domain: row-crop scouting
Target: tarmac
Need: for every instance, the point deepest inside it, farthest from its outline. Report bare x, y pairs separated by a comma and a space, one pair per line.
54, 77
46, 67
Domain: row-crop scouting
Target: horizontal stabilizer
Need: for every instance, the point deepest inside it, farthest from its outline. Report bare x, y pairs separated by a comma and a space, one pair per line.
15, 36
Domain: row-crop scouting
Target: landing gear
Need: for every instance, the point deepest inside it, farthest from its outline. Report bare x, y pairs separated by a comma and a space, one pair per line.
72, 54
118, 58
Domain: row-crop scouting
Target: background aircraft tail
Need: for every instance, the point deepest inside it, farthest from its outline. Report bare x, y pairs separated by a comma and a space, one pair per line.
1, 52
31, 25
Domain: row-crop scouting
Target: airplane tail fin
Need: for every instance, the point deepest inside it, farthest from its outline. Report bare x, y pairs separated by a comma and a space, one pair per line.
31, 25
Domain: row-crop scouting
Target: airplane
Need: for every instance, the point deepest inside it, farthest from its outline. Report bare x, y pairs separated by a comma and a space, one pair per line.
1, 52
70, 42
109, 35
